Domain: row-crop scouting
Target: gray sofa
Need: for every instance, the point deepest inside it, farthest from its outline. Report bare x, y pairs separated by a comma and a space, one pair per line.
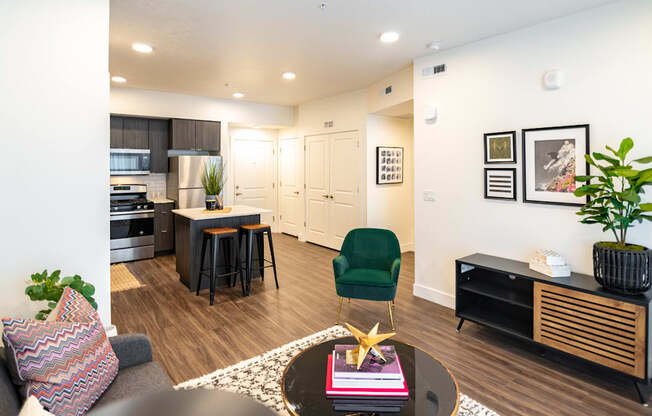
137, 375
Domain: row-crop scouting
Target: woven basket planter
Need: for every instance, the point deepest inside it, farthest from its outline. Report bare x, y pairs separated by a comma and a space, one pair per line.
622, 271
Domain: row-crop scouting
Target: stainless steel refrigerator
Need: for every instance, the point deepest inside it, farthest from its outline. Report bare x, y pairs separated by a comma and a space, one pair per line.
184, 183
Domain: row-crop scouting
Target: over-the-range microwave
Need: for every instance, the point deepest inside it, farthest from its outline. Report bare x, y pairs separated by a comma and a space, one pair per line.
129, 162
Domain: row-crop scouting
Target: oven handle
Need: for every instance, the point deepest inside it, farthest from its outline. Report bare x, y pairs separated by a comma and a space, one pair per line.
149, 214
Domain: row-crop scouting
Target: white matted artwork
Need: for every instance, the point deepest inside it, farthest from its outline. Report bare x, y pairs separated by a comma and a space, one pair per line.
552, 157
500, 183
389, 165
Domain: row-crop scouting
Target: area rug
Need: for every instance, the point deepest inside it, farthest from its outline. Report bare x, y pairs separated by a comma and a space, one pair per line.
260, 377
122, 279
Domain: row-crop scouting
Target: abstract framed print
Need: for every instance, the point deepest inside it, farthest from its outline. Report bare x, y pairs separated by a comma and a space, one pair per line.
500, 183
389, 165
500, 147
552, 157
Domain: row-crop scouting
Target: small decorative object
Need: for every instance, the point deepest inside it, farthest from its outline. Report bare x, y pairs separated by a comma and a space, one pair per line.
389, 165
368, 342
616, 205
549, 263
500, 147
500, 183
552, 157
212, 179
50, 288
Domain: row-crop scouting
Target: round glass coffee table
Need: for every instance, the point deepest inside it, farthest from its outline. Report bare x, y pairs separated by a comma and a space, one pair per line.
433, 389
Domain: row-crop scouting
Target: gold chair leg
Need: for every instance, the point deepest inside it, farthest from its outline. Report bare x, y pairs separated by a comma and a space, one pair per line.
339, 309
393, 304
391, 318
349, 300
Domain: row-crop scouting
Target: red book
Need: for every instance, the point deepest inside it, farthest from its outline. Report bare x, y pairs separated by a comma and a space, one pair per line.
333, 391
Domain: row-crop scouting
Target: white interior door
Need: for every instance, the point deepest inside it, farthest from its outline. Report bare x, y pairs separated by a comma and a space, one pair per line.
317, 189
291, 186
345, 213
253, 172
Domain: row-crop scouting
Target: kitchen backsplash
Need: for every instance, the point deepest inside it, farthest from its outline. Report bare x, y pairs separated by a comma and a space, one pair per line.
156, 187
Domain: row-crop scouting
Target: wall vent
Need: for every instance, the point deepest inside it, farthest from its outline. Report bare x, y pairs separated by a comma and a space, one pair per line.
328, 124
388, 90
433, 70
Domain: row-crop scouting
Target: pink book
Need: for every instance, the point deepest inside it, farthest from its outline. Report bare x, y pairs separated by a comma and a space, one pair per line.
333, 391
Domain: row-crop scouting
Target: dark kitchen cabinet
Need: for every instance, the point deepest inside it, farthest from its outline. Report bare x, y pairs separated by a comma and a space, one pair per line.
208, 135
158, 146
117, 139
135, 133
182, 134
163, 227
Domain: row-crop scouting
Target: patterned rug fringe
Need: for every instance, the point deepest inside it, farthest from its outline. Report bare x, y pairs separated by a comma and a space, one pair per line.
259, 377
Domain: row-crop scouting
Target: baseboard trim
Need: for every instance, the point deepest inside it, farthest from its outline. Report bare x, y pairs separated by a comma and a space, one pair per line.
434, 295
407, 247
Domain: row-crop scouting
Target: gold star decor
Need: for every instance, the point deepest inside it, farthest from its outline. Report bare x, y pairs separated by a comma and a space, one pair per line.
368, 342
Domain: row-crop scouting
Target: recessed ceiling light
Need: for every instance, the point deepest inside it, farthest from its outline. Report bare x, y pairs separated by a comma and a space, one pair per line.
435, 44
289, 75
238, 95
141, 47
389, 37
119, 79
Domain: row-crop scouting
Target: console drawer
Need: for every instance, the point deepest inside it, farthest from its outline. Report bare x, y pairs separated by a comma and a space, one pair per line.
603, 330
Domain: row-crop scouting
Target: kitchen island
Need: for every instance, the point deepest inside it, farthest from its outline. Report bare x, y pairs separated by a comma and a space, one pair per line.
189, 224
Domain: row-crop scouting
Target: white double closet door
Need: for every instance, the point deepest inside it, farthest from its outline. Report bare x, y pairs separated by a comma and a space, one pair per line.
333, 204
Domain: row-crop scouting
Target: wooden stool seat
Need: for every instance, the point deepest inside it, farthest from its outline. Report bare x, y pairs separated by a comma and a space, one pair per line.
254, 227
220, 231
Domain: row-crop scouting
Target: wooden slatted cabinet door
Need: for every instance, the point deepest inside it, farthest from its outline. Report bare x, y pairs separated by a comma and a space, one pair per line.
600, 329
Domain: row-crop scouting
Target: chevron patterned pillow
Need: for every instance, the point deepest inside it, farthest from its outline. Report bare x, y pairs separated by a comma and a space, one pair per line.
66, 364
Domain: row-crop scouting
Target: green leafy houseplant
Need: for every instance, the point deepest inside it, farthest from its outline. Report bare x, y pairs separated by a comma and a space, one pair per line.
44, 287
212, 177
615, 198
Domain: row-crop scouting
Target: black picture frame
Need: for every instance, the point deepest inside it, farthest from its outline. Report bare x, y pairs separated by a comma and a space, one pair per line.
510, 197
524, 178
486, 137
380, 163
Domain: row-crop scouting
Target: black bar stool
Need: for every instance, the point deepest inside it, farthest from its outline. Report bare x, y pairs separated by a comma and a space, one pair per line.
213, 236
249, 232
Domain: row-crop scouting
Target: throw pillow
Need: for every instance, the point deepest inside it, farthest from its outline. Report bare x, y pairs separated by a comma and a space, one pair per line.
68, 363
32, 407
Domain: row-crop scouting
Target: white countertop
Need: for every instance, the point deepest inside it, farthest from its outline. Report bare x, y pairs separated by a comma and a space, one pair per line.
236, 211
161, 200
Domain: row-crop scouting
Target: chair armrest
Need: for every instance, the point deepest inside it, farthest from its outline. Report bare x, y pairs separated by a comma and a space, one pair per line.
340, 265
131, 349
395, 269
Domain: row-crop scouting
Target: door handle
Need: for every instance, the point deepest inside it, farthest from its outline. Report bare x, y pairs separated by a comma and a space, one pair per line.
238, 193
296, 192
331, 196
325, 196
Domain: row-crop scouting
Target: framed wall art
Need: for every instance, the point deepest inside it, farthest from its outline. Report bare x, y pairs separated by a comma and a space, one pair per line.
500, 147
552, 157
389, 165
500, 183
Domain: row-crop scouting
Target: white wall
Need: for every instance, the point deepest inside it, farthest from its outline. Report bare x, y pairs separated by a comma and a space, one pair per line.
54, 113
402, 90
391, 206
495, 85
164, 104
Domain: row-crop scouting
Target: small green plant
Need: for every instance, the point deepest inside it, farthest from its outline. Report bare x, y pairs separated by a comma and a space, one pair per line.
50, 288
615, 199
212, 177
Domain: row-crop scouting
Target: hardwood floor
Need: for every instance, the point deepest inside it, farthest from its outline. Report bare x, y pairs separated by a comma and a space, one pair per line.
191, 338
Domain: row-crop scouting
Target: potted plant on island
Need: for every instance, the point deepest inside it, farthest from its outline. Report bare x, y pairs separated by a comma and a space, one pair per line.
615, 203
212, 179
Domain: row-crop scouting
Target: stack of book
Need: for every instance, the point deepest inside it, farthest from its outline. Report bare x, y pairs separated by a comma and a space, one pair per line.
549, 263
378, 386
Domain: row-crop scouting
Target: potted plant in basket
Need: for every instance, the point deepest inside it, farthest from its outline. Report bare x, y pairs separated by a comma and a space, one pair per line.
615, 203
212, 179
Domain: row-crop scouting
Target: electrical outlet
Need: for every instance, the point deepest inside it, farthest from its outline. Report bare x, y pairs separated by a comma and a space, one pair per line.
429, 196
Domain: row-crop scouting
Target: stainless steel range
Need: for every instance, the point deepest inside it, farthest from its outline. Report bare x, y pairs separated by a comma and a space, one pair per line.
132, 223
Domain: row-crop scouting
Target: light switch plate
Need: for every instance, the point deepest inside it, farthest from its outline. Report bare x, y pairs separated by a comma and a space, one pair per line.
429, 196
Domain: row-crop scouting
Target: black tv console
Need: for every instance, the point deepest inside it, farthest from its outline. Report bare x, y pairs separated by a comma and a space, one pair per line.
573, 314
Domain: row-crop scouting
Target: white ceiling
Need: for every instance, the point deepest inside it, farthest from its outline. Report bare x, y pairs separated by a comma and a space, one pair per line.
201, 45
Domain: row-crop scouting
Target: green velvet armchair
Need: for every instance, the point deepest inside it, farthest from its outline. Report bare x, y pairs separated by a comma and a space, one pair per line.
368, 267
